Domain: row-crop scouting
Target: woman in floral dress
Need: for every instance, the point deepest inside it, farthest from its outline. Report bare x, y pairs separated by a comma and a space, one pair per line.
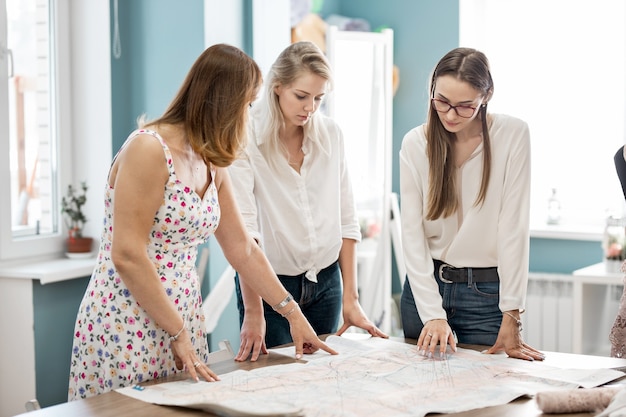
168, 190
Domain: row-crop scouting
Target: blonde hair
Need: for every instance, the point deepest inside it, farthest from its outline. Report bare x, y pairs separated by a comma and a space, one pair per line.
472, 67
294, 61
212, 103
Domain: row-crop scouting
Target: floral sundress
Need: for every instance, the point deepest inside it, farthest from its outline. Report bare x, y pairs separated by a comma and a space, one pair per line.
115, 342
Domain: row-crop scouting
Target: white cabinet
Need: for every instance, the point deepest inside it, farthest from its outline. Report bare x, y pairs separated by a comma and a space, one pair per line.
17, 321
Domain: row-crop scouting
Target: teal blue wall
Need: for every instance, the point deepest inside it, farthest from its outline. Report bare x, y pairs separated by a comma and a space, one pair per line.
160, 41
157, 52
563, 256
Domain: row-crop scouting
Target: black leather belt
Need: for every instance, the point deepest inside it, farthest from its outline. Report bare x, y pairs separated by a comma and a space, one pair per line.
450, 274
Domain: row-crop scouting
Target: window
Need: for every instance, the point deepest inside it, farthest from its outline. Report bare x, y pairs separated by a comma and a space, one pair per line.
79, 119
32, 134
559, 65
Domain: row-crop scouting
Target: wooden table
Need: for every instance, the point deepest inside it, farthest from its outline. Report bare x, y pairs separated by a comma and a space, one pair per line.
113, 404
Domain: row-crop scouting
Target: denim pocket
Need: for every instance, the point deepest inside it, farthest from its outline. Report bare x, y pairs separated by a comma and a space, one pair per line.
486, 289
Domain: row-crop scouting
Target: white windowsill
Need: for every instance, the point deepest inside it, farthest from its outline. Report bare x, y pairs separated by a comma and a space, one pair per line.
48, 270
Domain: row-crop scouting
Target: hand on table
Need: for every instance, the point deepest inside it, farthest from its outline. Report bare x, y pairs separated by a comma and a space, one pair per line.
252, 337
436, 332
510, 341
353, 315
185, 357
304, 338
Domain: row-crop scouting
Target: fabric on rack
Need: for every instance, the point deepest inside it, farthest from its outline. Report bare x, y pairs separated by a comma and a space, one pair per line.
617, 335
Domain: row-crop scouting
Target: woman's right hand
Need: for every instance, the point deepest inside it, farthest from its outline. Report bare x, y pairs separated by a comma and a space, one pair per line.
252, 337
304, 337
435, 332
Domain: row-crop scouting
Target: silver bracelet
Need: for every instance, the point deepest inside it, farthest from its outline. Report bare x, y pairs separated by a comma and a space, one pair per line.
283, 303
290, 312
177, 335
518, 321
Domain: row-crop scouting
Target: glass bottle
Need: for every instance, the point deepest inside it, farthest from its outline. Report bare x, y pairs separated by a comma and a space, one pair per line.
554, 208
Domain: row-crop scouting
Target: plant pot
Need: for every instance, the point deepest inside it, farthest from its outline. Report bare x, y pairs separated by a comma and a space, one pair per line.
79, 244
613, 266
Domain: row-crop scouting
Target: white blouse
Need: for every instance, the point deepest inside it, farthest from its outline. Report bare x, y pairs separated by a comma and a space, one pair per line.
495, 233
299, 219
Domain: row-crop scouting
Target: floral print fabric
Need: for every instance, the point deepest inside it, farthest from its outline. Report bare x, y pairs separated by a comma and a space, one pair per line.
116, 343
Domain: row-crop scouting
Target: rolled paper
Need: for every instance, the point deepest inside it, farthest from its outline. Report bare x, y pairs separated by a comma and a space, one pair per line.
590, 400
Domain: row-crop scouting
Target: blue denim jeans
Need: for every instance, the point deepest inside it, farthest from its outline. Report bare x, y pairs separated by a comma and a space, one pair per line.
320, 303
473, 312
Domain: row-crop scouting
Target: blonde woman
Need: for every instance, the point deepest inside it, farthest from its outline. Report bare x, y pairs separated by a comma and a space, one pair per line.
295, 194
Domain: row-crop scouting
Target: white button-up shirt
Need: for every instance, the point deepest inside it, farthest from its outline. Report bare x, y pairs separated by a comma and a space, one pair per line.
299, 219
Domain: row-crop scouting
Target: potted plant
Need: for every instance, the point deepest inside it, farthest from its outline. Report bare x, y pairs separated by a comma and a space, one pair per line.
72, 209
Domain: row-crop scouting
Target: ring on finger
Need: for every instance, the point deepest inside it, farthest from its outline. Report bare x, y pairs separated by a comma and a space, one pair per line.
196, 364
429, 335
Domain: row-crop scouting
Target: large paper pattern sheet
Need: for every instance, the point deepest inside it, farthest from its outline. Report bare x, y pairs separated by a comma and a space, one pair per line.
375, 377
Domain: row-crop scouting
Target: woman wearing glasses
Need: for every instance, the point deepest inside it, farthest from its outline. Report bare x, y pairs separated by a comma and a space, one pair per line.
465, 188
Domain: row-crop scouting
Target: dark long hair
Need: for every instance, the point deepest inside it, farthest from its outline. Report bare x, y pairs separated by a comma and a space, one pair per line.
472, 67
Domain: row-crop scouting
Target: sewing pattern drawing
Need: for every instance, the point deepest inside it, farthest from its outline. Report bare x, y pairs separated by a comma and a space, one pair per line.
379, 377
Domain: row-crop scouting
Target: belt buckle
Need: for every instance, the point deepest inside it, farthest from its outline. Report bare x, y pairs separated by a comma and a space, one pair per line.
446, 281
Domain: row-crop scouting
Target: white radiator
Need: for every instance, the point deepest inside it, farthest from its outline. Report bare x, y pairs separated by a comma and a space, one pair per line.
548, 321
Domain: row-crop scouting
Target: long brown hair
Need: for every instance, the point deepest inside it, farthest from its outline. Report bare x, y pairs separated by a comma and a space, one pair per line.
212, 103
472, 67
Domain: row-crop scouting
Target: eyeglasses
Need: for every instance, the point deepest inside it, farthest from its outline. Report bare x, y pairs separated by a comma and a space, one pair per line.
444, 107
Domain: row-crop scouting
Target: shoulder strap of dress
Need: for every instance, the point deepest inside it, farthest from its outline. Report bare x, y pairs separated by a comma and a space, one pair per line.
213, 171
166, 150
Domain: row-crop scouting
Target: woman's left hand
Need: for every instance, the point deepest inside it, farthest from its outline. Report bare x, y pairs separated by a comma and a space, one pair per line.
186, 358
510, 341
353, 315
